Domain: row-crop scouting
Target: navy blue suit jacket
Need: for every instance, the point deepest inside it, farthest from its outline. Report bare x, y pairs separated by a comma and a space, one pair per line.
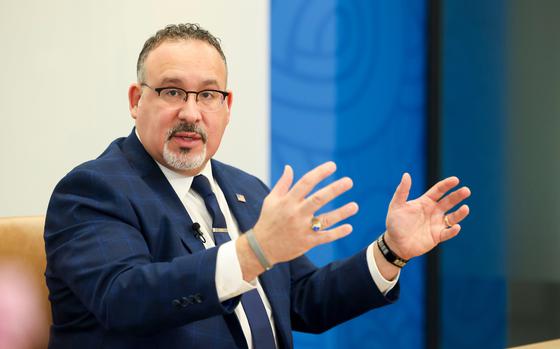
124, 269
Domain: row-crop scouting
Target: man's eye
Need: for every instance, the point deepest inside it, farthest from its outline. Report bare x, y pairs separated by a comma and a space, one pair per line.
171, 92
206, 95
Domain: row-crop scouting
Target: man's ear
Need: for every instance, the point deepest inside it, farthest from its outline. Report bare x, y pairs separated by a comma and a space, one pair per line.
229, 102
134, 94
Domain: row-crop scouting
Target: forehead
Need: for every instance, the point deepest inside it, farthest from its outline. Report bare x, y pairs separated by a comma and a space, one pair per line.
185, 61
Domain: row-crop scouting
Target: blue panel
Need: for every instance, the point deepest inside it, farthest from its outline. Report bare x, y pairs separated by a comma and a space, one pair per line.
348, 84
381, 134
303, 88
472, 265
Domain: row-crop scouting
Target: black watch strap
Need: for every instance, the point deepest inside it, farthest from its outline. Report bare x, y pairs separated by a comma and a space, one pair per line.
389, 255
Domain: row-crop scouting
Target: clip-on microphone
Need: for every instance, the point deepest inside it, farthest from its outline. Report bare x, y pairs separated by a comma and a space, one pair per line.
197, 233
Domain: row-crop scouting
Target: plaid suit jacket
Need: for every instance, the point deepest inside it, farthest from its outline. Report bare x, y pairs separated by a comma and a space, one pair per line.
125, 271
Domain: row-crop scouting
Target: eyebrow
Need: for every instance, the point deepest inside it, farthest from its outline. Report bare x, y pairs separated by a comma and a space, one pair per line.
205, 83
171, 81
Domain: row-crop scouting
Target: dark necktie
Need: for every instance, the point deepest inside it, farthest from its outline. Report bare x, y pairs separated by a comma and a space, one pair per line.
261, 330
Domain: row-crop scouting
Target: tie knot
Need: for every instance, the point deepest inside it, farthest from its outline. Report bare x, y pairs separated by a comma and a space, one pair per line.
201, 185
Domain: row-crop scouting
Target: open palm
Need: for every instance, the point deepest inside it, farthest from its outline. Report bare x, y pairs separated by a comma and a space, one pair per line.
415, 227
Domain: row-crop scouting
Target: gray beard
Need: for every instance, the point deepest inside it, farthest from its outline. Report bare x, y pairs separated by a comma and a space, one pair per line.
183, 160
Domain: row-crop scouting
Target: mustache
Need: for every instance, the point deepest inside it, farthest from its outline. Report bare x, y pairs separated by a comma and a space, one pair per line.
186, 127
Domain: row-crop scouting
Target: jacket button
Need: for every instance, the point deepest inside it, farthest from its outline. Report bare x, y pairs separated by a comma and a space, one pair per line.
198, 298
185, 302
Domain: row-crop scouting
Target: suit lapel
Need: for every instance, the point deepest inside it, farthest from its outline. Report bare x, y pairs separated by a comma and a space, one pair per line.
237, 197
155, 179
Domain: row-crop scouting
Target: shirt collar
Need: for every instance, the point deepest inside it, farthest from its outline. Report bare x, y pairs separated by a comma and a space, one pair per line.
182, 183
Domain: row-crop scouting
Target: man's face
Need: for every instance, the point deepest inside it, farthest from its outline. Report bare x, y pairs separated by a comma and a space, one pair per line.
180, 137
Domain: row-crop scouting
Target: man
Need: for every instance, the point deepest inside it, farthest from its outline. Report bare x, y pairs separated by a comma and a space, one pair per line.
155, 245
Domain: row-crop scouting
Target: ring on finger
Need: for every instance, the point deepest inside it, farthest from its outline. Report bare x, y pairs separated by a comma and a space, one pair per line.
446, 221
316, 224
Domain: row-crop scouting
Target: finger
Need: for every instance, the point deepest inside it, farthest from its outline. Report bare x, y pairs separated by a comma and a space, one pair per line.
454, 198
284, 183
323, 196
333, 217
449, 233
331, 235
440, 188
459, 215
306, 184
403, 190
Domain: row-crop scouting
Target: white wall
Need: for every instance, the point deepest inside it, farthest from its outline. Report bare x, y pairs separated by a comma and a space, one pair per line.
66, 67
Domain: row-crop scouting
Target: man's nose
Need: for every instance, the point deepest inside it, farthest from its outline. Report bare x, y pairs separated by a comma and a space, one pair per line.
190, 112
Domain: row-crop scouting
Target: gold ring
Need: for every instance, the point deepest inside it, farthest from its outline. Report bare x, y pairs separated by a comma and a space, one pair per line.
315, 224
446, 221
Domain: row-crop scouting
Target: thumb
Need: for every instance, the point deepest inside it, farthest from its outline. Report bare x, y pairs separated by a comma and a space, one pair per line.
284, 183
402, 191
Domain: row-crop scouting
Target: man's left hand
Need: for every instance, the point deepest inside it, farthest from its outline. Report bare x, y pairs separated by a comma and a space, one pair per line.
417, 226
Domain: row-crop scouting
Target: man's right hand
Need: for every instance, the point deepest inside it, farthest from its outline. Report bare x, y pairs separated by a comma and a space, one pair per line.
283, 229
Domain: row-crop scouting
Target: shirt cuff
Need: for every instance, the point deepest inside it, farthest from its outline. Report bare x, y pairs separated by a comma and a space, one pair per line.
229, 279
382, 284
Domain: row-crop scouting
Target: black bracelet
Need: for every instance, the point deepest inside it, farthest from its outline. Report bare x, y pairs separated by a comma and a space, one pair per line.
389, 255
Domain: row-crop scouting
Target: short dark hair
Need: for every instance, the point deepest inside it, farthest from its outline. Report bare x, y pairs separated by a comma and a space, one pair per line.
172, 32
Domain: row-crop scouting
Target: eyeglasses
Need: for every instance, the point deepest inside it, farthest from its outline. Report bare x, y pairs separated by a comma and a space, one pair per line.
206, 100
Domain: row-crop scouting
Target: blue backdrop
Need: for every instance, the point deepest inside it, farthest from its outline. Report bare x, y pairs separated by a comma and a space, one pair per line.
348, 84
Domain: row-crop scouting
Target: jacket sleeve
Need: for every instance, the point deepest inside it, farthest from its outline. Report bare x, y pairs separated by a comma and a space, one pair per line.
96, 247
340, 291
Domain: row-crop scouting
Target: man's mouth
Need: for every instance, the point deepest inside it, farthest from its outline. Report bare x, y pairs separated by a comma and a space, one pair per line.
187, 140
187, 136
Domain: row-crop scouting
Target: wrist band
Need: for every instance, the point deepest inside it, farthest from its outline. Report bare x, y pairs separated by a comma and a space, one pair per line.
389, 255
257, 250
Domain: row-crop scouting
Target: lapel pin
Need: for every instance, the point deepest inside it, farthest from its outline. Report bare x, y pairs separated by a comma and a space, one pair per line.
240, 197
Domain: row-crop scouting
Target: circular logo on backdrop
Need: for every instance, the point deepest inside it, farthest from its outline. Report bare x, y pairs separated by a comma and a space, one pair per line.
337, 67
